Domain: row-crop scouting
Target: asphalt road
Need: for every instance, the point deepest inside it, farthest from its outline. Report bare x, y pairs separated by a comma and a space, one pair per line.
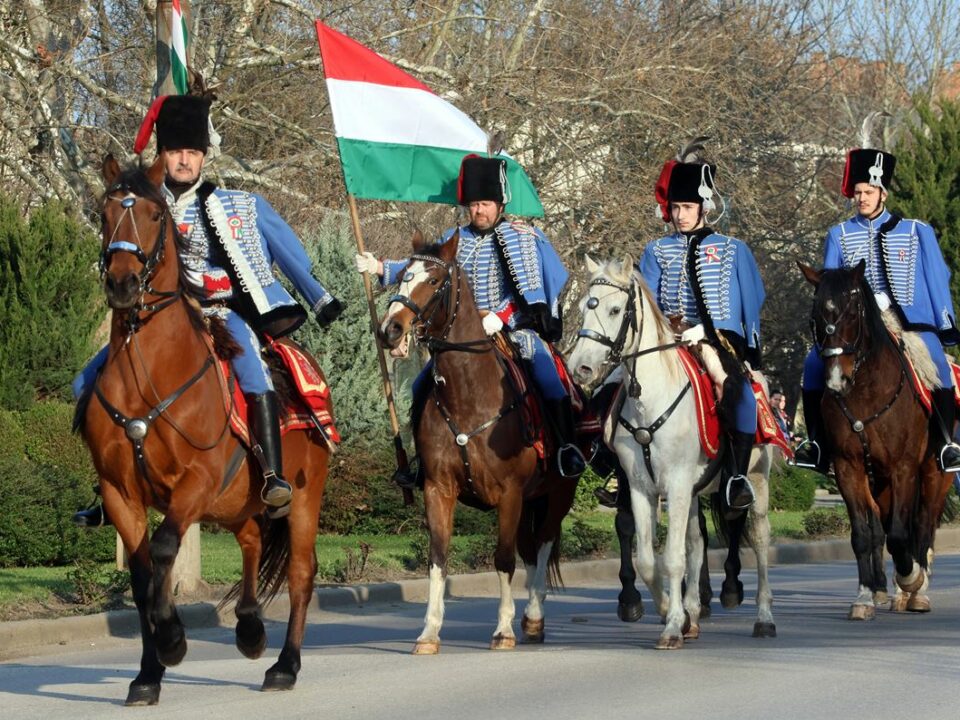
357, 664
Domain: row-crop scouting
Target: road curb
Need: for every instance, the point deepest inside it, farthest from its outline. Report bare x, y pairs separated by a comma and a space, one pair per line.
18, 638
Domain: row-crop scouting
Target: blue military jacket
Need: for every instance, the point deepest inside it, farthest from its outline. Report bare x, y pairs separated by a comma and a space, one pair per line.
732, 288
254, 237
906, 264
537, 270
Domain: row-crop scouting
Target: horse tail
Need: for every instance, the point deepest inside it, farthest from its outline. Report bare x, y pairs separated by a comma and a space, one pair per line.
274, 563
554, 578
720, 522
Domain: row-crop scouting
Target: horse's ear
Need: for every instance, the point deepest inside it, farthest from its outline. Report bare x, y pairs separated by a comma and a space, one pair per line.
626, 265
109, 169
418, 242
448, 250
155, 172
858, 271
813, 276
591, 265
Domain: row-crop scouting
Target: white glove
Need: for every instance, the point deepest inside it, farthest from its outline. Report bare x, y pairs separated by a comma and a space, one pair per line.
883, 300
368, 263
693, 335
492, 324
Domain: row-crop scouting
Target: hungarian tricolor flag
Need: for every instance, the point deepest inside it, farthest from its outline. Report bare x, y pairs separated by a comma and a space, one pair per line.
178, 49
398, 140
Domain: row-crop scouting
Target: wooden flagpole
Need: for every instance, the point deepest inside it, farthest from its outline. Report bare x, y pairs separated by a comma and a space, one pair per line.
403, 464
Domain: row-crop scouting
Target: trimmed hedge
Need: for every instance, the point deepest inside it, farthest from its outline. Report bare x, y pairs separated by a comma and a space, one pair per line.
792, 488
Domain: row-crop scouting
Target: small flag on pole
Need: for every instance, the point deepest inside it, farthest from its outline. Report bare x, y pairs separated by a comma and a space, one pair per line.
398, 140
178, 49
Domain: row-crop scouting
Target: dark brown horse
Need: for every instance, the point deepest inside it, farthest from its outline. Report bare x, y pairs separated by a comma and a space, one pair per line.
878, 430
157, 428
471, 442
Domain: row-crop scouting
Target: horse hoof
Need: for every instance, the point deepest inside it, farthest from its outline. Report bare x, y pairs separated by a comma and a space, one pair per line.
426, 647
898, 603
692, 632
672, 642
532, 630
861, 612
731, 597
275, 681
705, 611
630, 612
764, 629
918, 603
143, 694
171, 646
503, 642
880, 597
251, 637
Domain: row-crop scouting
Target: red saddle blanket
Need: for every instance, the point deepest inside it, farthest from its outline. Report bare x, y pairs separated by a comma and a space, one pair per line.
708, 422
587, 424
310, 407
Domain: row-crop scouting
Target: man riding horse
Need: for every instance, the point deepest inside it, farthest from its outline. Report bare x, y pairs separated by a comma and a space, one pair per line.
234, 239
516, 277
906, 271
709, 287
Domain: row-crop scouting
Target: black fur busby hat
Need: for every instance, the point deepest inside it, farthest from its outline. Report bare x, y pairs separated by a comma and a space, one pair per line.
181, 121
686, 178
482, 178
868, 165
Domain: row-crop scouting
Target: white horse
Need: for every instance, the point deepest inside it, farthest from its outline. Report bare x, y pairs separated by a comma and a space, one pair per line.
622, 326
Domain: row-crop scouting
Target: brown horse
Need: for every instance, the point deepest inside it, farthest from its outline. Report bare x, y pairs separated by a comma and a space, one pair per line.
878, 430
471, 441
158, 430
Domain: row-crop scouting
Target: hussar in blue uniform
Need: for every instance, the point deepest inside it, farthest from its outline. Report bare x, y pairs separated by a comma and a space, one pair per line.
708, 284
234, 239
516, 276
906, 271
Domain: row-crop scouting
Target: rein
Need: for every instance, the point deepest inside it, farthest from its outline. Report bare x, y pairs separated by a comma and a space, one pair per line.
423, 321
643, 435
854, 348
137, 428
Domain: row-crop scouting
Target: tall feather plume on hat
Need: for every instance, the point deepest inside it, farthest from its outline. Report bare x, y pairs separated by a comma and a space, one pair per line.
866, 128
693, 151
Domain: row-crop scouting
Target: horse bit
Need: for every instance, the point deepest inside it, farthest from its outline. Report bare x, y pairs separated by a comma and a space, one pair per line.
642, 435
437, 344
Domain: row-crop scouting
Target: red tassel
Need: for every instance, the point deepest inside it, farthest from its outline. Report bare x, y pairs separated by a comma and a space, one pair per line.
662, 188
845, 188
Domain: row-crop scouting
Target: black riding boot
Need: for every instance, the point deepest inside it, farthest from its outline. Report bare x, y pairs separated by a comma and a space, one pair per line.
569, 458
812, 452
263, 412
948, 455
93, 516
737, 492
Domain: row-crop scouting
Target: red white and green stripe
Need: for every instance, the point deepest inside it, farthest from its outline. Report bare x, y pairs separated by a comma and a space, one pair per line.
178, 49
398, 140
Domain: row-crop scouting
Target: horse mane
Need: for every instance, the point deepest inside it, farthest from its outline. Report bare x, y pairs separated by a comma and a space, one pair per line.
134, 180
834, 283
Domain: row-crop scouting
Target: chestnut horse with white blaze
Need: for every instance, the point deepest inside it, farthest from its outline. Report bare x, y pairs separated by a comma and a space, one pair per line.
472, 444
158, 429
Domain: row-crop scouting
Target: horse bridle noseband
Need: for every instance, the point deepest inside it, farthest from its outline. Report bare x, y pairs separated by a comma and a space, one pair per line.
151, 262
830, 329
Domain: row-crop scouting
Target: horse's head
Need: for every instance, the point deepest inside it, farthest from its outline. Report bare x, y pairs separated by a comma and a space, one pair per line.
428, 296
610, 320
846, 322
136, 223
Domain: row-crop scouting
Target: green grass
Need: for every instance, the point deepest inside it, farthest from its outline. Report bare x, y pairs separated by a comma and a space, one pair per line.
37, 584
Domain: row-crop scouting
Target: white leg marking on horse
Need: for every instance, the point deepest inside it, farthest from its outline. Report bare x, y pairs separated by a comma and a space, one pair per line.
537, 583
507, 608
434, 617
